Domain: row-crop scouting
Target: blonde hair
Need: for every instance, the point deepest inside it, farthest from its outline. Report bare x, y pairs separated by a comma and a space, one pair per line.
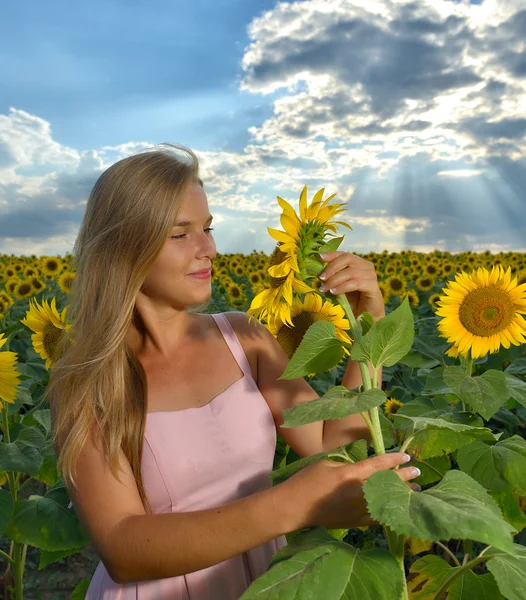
129, 214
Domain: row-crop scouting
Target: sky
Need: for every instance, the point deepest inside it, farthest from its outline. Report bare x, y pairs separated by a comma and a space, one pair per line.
412, 112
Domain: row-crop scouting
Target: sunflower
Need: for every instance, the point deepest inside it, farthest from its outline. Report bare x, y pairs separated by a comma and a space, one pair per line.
51, 265
48, 326
23, 290
424, 284
414, 300
9, 376
65, 281
433, 300
396, 285
303, 315
37, 284
391, 407
482, 311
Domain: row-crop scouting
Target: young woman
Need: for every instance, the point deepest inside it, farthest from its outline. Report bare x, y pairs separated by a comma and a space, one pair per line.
164, 418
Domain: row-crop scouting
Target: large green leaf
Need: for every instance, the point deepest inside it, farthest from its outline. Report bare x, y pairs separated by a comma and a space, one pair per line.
496, 466
322, 567
388, 340
509, 571
516, 388
45, 524
430, 572
438, 436
517, 367
458, 507
352, 452
485, 394
24, 455
337, 403
319, 350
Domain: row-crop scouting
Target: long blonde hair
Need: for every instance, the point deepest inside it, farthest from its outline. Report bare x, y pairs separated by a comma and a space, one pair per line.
129, 214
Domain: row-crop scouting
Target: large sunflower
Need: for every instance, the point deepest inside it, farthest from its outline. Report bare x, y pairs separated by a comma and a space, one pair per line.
482, 312
48, 326
9, 376
303, 315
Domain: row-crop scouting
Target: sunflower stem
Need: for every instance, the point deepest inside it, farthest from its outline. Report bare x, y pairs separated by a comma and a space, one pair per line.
374, 418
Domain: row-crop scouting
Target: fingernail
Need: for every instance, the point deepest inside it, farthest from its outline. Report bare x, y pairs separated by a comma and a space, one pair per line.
417, 488
407, 458
323, 255
323, 276
416, 472
322, 288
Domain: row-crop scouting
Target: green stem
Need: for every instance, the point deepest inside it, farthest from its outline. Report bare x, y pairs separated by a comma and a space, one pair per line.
448, 551
374, 422
7, 557
451, 578
468, 548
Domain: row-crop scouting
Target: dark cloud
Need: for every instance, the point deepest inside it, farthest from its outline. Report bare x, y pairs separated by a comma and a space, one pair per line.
391, 64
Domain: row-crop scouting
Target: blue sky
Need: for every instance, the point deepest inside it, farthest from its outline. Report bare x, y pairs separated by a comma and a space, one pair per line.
413, 112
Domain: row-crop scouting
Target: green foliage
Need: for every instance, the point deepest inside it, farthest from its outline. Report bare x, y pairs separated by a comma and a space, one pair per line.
322, 567
457, 507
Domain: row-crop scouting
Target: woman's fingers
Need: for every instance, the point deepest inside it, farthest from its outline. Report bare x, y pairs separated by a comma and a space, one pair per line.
408, 473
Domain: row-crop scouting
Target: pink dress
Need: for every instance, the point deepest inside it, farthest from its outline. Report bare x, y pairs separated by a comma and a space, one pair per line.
199, 458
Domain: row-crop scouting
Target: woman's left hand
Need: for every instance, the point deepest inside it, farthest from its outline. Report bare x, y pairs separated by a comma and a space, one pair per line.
355, 277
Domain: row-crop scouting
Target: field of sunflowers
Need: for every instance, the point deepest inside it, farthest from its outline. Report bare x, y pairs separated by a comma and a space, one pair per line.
451, 392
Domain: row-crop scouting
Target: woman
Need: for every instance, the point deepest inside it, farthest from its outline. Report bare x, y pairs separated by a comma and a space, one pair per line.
164, 418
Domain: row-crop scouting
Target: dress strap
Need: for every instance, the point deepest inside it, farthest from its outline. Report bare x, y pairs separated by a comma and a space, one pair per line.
232, 342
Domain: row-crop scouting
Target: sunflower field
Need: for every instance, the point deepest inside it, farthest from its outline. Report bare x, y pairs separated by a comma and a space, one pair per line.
452, 393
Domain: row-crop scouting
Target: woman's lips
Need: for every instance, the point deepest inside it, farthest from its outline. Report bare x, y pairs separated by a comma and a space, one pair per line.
201, 274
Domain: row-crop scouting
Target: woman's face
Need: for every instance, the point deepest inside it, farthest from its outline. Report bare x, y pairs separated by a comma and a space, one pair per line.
189, 247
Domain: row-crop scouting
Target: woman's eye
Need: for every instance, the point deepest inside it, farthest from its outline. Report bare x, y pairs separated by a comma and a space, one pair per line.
181, 235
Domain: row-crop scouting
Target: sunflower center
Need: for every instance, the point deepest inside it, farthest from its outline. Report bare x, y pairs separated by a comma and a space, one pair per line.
486, 311
276, 258
289, 338
50, 337
396, 284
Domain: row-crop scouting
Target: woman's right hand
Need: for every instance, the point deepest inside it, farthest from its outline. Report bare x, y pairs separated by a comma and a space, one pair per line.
330, 493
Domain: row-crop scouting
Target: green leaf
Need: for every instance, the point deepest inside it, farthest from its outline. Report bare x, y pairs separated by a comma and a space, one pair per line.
516, 388
40, 417
366, 321
509, 571
416, 360
337, 403
79, 593
331, 245
496, 466
429, 469
388, 340
435, 383
509, 505
353, 452
6, 509
458, 507
48, 557
45, 524
24, 455
517, 367
319, 350
485, 394
326, 568
430, 572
